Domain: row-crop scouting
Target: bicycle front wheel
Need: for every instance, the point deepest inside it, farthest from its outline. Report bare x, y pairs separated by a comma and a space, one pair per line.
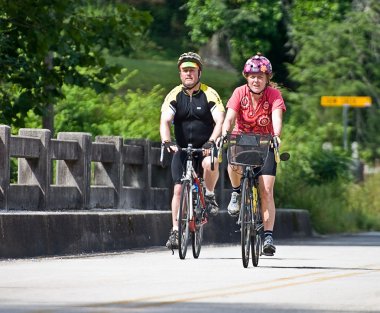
246, 221
184, 219
257, 229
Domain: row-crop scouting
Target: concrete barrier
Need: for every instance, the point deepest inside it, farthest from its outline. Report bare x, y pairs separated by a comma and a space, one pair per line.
35, 234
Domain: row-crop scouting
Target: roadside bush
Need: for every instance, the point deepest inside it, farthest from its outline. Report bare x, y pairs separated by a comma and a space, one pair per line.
126, 113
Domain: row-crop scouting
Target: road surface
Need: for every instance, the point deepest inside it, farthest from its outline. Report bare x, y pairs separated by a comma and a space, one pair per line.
323, 274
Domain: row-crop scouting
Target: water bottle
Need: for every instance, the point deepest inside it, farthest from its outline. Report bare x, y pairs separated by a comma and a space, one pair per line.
195, 195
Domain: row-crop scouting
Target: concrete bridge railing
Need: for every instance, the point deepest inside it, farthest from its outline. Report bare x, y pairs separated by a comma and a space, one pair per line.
108, 173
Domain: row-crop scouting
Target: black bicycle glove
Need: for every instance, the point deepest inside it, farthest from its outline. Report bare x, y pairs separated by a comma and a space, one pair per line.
209, 145
168, 145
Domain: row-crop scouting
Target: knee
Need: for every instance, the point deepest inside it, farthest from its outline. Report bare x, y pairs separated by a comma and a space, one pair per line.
267, 194
177, 191
206, 164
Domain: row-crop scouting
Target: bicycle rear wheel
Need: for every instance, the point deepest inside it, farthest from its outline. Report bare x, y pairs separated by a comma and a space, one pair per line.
183, 219
246, 220
197, 238
255, 246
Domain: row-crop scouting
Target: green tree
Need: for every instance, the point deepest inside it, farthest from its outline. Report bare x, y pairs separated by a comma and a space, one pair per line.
337, 47
47, 43
246, 26
127, 113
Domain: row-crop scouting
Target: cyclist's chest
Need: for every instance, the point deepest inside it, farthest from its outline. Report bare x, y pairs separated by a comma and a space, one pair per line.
192, 107
254, 113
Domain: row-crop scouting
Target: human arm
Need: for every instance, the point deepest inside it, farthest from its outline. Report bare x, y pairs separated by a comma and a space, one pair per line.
277, 122
218, 117
229, 121
165, 122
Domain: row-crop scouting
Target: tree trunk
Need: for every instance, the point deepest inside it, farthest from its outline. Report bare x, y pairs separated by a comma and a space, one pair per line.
48, 119
217, 52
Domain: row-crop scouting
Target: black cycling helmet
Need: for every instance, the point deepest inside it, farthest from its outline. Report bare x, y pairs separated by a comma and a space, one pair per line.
190, 57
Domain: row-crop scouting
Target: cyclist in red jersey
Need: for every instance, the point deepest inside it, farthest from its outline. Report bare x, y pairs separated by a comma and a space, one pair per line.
256, 107
197, 113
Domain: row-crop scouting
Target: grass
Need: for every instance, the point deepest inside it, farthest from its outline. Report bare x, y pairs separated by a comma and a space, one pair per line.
334, 207
164, 73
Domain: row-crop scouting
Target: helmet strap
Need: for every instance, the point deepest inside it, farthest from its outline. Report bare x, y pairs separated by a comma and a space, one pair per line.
258, 93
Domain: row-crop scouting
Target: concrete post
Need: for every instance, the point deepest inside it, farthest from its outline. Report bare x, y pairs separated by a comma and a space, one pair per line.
5, 135
37, 171
77, 173
111, 173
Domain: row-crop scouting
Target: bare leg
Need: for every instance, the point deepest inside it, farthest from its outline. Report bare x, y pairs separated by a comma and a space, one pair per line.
175, 204
234, 174
268, 210
210, 177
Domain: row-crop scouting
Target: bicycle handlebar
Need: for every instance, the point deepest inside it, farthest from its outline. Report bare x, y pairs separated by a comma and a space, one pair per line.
278, 156
220, 148
276, 149
189, 149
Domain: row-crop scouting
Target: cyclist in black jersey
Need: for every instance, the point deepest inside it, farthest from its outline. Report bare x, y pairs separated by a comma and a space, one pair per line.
197, 113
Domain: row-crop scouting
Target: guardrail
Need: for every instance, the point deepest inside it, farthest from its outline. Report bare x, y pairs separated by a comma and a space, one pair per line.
109, 173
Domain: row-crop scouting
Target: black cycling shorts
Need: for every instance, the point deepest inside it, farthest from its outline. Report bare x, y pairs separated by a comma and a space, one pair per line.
179, 164
270, 165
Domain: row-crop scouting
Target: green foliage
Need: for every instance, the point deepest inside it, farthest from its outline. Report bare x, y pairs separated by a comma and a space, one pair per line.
336, 50
168, 34
336, 206
126, 113
48, 44
363, 201
250, 26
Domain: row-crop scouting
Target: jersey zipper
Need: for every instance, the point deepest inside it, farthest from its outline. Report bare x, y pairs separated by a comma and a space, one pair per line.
192, 115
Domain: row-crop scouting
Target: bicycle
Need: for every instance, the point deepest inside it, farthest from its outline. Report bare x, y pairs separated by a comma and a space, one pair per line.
250, 151
192, 214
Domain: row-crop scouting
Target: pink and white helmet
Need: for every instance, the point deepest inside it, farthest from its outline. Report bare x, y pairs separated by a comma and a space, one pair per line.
257, 64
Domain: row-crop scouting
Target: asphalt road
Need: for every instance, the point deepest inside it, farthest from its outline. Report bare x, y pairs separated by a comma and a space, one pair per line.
324, 274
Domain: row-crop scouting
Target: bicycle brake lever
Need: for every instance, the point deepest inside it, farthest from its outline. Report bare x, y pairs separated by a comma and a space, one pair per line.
212, 159
162, 153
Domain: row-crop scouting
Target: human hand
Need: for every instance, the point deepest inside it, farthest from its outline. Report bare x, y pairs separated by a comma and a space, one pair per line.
169, 146
209, 145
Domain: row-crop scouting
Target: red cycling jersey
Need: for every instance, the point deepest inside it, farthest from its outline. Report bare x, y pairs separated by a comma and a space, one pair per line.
258, 120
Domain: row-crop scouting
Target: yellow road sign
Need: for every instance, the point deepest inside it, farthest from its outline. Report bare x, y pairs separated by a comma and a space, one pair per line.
338, 101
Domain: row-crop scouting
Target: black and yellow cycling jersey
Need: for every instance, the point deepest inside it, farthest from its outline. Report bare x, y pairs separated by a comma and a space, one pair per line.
193, 121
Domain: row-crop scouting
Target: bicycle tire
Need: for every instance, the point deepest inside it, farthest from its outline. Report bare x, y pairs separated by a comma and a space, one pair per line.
183, 219
197, 238
197, 235
255, 247
246, 221
257, 229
